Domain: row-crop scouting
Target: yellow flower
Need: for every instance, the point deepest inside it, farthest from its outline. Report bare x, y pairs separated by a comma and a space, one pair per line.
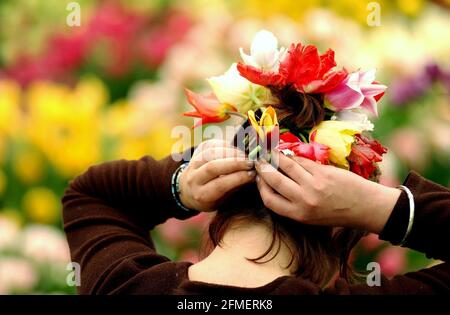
64, 125
41, 205
10, 117
410, 7
29, 166
131, 136
267, 123
338, 136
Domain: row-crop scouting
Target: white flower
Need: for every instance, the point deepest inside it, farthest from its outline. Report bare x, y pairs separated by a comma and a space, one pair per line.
16, 274
231, 88
355, 116
44, 244
9, 230
264, 52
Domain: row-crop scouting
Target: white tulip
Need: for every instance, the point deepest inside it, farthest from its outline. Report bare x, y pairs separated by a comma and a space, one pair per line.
264, 52
231, 88
355, 116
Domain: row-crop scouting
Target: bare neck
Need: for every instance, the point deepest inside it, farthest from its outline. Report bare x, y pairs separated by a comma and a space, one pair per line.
228, 264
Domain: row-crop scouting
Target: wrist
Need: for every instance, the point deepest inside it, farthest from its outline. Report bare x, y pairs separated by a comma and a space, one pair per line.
185, 201
177, 190
375, 210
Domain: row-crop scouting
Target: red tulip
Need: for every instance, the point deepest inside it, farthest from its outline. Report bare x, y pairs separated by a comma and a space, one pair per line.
208, 108
313, 150
303, 68
364, 154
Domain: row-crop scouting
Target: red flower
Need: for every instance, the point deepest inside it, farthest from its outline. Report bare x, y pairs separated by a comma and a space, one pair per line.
208, 108
364, 154
303, 68
313, 150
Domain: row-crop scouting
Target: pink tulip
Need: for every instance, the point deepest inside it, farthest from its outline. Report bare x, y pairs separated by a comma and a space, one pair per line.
190, 255
358, 89
199, 222
313, 150
174, 232
370, 242
392, 260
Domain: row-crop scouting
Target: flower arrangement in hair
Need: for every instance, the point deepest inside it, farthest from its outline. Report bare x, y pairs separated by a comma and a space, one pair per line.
299, 98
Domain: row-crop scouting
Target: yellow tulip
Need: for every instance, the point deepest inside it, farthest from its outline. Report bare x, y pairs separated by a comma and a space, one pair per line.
28, 166
10, 118
59, 117
41, 205
338, 136
267, 123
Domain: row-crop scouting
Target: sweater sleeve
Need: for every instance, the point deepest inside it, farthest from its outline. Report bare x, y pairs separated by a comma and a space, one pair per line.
108, 212
429, 235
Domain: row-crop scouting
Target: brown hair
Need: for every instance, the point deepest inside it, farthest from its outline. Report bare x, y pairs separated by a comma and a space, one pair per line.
318, 252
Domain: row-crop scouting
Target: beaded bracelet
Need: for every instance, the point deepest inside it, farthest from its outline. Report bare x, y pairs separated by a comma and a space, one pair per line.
411, 213
176, 191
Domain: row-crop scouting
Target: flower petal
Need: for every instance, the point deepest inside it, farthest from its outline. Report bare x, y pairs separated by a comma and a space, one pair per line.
301, 65
207, 105
258, 76
327, 62
370, 104
343, 97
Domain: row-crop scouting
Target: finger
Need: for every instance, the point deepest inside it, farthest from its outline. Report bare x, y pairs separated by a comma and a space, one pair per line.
293, 169
213, 143
279, 182
307, 164
216, 168
215, 153
273, 200
220, 186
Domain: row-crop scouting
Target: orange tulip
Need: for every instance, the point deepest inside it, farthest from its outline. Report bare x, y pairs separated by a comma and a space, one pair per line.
208, 108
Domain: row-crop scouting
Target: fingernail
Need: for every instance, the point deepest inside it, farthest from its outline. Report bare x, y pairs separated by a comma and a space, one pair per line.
250, 164
251, 173
257, 178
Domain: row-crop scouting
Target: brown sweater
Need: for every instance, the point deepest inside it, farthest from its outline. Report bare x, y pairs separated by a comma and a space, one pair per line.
110, 209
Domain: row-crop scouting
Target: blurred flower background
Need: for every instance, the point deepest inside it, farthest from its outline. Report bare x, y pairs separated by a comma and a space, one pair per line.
113, 88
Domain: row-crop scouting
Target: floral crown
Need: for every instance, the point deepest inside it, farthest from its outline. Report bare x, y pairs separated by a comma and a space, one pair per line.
324, 107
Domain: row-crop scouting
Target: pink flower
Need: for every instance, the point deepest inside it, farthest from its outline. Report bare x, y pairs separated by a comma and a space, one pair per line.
370, 242
16, 274
392, 260
358, 89
190, 255
313, 150
43, 243
174, 232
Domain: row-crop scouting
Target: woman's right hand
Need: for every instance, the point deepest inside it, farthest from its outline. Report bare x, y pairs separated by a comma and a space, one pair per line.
216, 169
324, 195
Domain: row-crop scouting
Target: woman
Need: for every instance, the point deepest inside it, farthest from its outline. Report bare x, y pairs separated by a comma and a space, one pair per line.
110, 209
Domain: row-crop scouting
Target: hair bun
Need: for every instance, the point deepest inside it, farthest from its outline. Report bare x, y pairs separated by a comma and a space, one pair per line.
306, 110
